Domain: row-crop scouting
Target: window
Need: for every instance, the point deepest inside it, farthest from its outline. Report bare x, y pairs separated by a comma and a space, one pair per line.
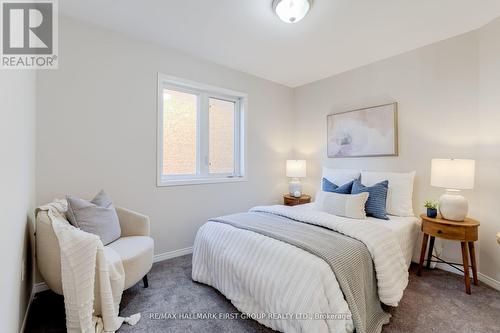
200, 133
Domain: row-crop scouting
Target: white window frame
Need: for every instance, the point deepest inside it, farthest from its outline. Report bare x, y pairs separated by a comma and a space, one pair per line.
204, 93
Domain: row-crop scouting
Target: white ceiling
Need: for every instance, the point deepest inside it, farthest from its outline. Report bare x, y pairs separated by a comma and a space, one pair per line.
336, 35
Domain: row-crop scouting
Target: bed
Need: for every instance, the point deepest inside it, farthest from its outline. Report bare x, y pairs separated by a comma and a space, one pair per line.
288, 288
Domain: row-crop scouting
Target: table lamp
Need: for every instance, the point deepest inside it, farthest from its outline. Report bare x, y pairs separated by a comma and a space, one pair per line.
453, 175
295, 169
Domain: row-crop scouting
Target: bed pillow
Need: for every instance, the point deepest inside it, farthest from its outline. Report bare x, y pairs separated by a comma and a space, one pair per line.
340, 176
328, 186
400, 191
376, 203
346, 205
97, 217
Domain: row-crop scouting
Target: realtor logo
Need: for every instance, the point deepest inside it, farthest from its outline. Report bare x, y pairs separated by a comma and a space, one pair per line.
29, 34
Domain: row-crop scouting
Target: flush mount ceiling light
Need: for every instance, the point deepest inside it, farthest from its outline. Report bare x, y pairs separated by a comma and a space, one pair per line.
291, 11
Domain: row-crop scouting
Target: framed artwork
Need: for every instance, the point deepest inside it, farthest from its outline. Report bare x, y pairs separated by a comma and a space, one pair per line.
366, 132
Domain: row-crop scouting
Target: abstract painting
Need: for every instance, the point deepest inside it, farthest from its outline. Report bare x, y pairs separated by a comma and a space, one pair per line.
365, 132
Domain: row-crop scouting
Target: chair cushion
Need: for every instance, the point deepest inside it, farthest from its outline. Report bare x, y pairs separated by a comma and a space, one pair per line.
136, 253
97, 216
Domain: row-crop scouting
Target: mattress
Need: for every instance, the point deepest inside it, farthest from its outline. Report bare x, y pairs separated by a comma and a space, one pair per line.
407, 228
260, 274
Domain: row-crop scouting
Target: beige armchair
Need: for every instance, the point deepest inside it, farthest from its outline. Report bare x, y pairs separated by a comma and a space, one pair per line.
135, 248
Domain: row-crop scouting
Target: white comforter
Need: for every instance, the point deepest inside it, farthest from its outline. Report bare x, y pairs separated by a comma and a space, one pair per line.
275, 281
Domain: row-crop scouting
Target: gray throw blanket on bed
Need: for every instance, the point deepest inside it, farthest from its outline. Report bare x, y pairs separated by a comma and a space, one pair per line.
349, 259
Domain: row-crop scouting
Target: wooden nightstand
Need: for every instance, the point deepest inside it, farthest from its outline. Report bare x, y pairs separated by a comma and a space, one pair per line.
466, 232
289, 200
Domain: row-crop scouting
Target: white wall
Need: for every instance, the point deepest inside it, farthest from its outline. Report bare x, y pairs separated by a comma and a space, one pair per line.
489, 147
436, 88
449, 106
97, 129
17, 193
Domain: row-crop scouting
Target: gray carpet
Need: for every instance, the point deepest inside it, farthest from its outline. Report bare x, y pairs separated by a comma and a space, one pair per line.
435, 302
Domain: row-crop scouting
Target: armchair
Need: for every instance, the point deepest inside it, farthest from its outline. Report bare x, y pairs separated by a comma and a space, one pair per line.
135, 248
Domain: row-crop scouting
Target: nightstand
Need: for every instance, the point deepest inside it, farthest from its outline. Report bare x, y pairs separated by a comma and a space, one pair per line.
289, 200
465, 232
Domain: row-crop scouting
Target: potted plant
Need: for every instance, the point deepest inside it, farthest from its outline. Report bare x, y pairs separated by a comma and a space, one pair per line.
431, 208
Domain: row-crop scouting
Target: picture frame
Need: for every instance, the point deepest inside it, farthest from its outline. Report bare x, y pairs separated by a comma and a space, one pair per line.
365, 132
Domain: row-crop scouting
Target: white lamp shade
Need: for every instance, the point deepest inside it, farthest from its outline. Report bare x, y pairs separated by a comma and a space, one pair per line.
291, 11
296, 168
453, 173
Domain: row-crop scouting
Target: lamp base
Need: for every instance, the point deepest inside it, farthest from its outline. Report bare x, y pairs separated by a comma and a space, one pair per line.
295, 188
453, 206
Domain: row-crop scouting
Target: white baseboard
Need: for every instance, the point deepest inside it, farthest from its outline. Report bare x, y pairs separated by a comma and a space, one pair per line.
42, 286
172, 254
495, 284
450, 269
39, 287
483, 278
26, 314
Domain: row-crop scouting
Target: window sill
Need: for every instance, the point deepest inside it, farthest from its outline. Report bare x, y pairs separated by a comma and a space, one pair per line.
201, 181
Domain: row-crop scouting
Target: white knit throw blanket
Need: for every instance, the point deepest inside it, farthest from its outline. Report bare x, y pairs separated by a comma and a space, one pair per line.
87, 270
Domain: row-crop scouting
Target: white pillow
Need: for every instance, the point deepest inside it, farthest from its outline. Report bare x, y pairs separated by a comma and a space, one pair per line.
340, 176
347, 205
400, 193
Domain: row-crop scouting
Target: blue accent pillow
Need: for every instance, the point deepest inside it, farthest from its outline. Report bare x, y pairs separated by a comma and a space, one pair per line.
377, 198
328, 186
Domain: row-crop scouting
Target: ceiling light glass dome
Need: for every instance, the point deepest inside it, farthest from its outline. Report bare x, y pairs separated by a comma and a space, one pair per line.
291, 11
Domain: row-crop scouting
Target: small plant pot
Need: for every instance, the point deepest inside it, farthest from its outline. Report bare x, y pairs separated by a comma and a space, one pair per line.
432, 212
